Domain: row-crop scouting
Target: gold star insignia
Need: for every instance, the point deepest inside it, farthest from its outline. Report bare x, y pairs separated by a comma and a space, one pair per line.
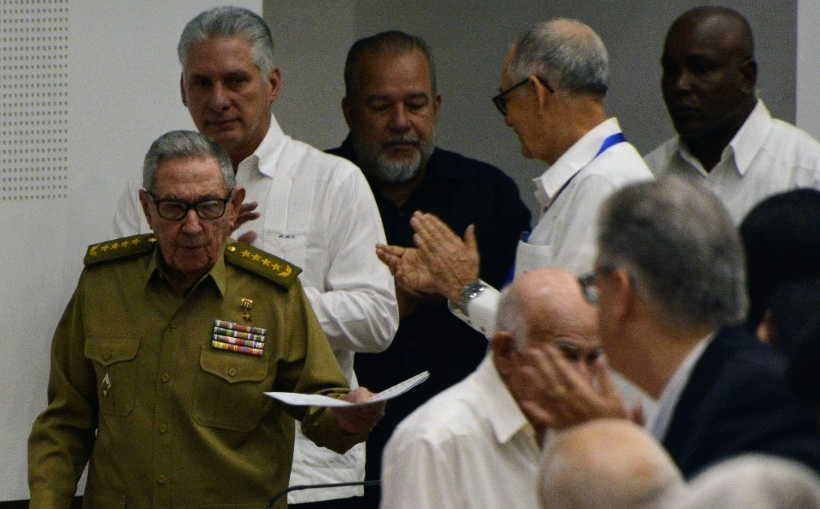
134, 242
105, 248
276, 266
256, 257
115, 245
152, 240
93, 250
245, 253
266, 262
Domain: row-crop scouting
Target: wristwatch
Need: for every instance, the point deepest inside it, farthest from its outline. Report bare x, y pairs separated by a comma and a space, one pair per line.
470, 292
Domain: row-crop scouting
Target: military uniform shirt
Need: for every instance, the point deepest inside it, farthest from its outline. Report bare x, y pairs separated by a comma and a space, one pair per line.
179, 423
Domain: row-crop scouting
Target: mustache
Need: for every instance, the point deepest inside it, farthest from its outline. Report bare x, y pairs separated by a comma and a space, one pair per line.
407, 139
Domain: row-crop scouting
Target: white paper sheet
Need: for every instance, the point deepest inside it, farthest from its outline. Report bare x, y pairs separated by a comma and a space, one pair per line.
298, 399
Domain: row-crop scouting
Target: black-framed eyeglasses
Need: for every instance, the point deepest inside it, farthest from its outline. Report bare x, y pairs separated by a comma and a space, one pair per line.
589, 285
500, 100
175, 210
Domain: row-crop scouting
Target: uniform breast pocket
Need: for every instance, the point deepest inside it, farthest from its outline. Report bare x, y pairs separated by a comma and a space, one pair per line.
291, 246
115, 362
229, 390
532, 256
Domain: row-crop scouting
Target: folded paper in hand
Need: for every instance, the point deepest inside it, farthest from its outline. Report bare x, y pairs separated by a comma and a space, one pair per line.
298, 399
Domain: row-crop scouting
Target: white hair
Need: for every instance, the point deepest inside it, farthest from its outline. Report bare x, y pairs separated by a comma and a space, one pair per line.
753, 481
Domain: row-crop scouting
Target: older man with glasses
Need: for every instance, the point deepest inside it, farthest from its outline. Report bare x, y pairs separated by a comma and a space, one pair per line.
162, 357
670, 287
553, 83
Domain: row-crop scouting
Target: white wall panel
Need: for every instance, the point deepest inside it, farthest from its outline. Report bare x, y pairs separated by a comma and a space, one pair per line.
120, 91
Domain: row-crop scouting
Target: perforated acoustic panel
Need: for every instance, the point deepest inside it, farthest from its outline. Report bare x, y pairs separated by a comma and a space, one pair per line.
33, 99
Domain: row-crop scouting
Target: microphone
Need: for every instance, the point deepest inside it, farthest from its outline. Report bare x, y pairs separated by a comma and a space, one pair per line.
282, 493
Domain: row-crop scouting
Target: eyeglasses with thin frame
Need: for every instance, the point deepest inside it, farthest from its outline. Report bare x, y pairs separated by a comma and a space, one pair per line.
207, 209
500, 100
589, 286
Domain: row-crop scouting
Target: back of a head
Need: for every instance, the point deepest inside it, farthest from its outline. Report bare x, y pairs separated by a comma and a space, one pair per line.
681, 248
804, 357
752, 482
392, 42
781, 237
606, 464
568, 54
229, 22
794, 304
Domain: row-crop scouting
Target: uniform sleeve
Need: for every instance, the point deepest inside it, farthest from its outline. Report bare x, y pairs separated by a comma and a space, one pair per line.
416, 474
310, 367
128, 217
63, 435
357, 307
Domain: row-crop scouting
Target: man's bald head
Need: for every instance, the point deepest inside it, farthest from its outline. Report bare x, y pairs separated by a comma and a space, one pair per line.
606, 463
543, 308
727, 28
545, 303
709, 74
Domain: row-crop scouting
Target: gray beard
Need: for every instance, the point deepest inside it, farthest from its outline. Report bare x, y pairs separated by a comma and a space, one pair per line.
391, 171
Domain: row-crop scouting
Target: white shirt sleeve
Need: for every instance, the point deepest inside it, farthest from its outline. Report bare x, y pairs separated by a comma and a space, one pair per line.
357, 307
129, 218
417, 474
481, 311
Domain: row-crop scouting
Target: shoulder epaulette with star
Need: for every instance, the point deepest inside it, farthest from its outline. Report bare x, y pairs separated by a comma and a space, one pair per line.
264, 264
119, 248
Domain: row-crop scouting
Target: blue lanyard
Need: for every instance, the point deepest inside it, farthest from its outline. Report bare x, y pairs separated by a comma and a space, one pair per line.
612, 139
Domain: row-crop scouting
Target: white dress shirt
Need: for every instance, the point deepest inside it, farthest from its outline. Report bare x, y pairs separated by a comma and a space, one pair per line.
317, 212
570, 193
658, 422
766, 156
469, 447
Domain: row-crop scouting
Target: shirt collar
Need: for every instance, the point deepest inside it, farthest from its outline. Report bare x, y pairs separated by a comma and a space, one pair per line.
580, 154
503, 412
751, 136
745, 144
659, 422
218, 273
269, 150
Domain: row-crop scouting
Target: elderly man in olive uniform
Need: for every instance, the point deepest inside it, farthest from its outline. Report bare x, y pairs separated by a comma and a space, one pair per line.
161, 359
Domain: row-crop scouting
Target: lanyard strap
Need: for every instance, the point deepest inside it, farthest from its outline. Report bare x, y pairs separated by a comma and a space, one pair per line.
612, 139
609, 141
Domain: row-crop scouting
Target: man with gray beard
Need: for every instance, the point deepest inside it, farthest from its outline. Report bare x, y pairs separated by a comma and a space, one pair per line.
391, 107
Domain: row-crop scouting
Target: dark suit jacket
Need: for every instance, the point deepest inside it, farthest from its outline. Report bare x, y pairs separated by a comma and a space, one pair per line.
737, 401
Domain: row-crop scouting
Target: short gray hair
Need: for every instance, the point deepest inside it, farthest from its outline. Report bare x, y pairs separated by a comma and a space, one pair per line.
681, 248
229, 22
566, 53
392, 42
606, 464
185, 145
753, 481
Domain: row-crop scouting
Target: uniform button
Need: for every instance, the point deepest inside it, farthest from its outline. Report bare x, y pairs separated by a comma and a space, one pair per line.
165, 377
162, 479
107, 356
163, 428
231, 371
